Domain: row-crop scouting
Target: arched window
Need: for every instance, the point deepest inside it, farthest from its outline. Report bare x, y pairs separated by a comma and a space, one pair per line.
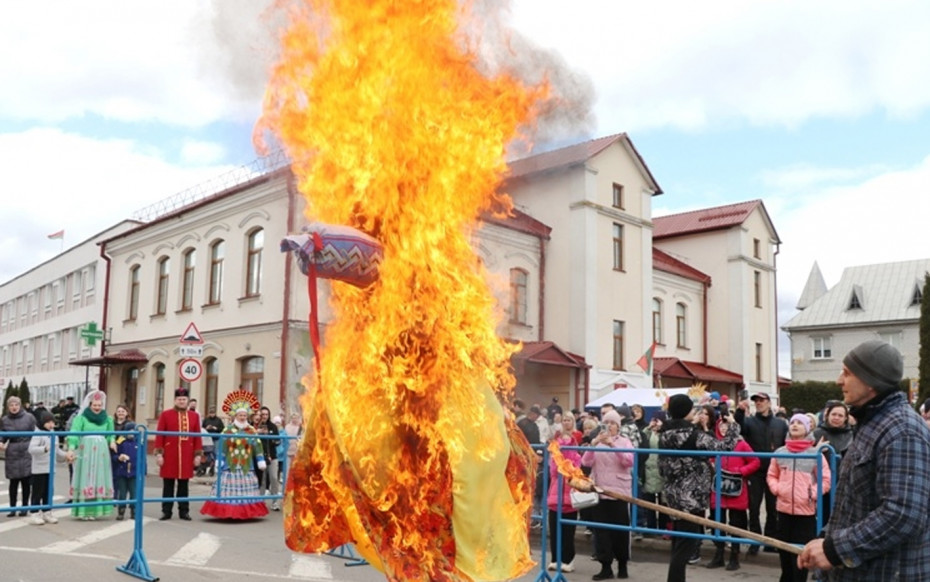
133, 293
518, 278
252, 375
159, 389
253, 280
217, 255
681, 324
164, 267
656, 321
187, 283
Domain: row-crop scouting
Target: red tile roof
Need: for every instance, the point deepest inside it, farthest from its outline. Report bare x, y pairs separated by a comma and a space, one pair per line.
671, 367
576, 154
662, 261
706, 219
519, 221
546, 353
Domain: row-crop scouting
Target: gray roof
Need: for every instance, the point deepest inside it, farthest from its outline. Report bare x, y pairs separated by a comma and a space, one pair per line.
813, 289
885, 291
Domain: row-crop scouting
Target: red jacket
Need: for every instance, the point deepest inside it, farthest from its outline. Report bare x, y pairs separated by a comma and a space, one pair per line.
745, 466
179, 450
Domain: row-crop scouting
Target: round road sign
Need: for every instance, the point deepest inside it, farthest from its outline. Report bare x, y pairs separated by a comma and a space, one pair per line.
190, 370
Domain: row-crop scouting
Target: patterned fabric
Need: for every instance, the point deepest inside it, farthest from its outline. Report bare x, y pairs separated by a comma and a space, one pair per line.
236, 478
347, 254
880, 525
688, 479
93, 476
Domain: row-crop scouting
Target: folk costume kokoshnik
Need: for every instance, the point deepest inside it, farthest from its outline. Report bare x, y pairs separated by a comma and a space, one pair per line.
176, 454
235, 477
93, 474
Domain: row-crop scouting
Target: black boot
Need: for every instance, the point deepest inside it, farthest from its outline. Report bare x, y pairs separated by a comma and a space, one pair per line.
734, 560
621, 570
121, 513
717, 560
605, 574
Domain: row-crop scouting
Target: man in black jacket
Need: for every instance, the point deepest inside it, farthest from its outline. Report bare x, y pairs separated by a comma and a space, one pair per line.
764, 432
269, 480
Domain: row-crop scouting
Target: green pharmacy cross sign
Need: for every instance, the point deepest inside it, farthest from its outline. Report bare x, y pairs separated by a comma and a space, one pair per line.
90, 334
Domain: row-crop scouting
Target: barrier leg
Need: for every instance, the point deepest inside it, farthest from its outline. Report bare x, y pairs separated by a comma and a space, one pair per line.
138, 566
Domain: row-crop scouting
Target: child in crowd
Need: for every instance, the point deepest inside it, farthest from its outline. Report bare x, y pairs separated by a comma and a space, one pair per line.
794, 483
124, 462
41, 447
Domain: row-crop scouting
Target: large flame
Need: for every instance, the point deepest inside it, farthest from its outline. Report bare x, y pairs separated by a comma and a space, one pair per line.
393, 130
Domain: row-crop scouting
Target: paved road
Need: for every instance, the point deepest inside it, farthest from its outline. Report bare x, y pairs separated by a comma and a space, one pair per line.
206, 549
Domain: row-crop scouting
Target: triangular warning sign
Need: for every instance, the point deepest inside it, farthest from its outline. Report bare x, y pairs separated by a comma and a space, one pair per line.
191, 335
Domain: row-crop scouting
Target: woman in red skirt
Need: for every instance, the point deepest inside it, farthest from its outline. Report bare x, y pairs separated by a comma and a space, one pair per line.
235, 480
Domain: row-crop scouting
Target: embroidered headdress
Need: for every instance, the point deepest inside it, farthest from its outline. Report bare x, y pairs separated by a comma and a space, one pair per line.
240, 400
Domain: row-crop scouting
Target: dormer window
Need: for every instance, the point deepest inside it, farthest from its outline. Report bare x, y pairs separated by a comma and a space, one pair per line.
917, 296
855, 299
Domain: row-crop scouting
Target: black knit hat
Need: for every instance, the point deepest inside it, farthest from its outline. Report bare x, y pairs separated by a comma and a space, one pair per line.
43, 416
878, 364
679, 406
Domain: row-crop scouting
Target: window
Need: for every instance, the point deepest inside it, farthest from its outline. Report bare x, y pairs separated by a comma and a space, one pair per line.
855, 299
47, 299
217, 254
618, 247
134, 293
757, 287
823, 348
917, 296
187, 281
91, 274
756, 248
618, 196
618, 345
518, 279
681, 324
893, 338
252, 372
758, 362
72, 343
253, 280
212, 371
656, 321
159, 389
161, 305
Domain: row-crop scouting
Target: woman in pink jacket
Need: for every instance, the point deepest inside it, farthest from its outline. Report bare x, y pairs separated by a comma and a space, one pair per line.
794, 483
568, 512
734, 494
611, 471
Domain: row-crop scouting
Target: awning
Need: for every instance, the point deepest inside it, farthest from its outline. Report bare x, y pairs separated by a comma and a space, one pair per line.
667, 367
546, 353
132, 356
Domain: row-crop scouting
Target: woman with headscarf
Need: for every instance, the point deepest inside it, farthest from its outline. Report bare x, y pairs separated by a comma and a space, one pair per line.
18, 464
237, 449
90, 455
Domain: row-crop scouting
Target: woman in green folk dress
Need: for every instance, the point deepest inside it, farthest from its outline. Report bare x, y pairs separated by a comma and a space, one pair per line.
90, 454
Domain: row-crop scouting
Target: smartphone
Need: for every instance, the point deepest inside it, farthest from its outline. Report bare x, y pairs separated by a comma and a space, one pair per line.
744, 394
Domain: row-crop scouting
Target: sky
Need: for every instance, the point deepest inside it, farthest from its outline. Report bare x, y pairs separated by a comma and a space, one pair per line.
819, 109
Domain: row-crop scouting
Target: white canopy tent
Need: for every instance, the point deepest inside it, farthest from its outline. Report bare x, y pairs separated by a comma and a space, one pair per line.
646, 397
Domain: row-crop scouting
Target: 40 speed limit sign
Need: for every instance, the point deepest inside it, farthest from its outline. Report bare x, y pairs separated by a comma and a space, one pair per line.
190, 370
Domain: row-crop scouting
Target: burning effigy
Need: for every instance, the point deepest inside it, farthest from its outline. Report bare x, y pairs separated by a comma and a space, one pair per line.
395, 132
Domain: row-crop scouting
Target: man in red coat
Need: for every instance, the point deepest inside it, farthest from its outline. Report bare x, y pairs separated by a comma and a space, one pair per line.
177, 455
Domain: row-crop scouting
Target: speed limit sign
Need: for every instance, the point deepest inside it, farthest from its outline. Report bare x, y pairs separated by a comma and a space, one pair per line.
190, 370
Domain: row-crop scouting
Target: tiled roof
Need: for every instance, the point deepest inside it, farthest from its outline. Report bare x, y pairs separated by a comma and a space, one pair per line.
546, 353
577, 154
885, 290
519, 221
671, 367
662, 261
130, 356
705, 219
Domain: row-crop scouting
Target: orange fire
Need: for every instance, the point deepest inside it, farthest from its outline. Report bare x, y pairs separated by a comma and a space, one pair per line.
393, 130
565, 468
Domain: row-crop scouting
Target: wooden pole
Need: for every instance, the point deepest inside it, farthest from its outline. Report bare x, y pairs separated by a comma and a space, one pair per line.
677, 514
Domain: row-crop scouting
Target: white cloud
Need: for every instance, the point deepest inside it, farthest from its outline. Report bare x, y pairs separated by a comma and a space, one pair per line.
202, 153
693, 64
55, 180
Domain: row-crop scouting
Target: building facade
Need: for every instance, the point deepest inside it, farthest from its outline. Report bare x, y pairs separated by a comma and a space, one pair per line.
879, 301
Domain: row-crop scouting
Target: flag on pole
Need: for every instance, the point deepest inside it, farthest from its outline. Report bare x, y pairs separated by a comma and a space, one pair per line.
57, 235
645, 362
